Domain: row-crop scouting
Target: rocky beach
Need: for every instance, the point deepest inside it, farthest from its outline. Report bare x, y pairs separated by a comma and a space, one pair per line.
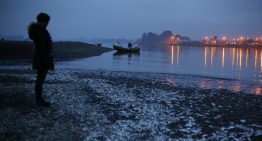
105, 105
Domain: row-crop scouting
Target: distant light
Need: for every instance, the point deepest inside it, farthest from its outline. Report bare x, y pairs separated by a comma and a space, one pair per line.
206, 38
224, 38
173, 37
241, 38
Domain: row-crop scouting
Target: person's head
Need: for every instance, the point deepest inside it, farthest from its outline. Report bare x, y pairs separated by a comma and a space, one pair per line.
43, 19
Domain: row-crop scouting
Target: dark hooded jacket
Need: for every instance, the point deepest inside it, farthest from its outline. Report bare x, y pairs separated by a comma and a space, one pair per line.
43, 58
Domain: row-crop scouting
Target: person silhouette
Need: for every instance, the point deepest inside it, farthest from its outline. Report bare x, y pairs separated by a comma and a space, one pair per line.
130, 45
43, 58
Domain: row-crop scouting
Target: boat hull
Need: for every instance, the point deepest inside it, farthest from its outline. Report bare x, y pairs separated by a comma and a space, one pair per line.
127, 50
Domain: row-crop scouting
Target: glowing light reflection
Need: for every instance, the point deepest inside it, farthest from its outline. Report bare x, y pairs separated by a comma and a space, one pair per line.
172, 55
212, 55
223, 57
237, 57
246, 57
240, 58
177, 57
258, 91
233, 57
205, 56
261, 61
255, 58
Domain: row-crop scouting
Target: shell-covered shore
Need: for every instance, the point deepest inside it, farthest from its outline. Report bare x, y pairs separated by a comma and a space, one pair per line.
105, 105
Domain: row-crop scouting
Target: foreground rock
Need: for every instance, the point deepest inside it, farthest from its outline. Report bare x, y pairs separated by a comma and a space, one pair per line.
98, 105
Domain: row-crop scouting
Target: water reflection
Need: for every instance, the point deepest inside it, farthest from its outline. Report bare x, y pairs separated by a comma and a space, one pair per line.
172, 55
213, 51
175, 50
205, 56
255, 58
241, 58
258, 90
246, 57
240, 63
233, 56
177, 58
215, 58
244, 64
261, 61
223, 58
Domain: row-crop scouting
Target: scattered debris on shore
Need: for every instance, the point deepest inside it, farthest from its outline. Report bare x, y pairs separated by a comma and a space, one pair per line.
104, 105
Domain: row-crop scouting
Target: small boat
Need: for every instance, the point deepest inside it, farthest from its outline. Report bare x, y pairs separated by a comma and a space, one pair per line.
126, 50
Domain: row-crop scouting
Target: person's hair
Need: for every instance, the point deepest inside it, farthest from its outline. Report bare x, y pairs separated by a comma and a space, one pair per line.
43, 18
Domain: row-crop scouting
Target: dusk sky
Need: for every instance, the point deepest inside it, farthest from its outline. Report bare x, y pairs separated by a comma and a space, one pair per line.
130, 18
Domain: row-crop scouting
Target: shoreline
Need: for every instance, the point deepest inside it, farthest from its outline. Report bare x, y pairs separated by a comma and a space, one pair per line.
223, 46
201, 45
97, 105
190, 80
21, 52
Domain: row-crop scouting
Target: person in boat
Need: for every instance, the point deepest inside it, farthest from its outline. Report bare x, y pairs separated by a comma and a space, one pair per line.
129, 45
42, 59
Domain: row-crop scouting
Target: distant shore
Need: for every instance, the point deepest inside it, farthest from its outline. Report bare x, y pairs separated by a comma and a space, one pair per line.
199, 44
22, 51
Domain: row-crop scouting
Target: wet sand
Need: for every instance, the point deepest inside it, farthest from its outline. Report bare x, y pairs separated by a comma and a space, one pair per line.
104, 105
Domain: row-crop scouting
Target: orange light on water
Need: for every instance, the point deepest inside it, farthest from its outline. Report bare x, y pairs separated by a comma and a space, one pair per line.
261, 61
223, 57
237, 57
240, 60
172, 55
233, 56
258, 91
212, 55
205, 56
177, 54
247, 57
256, 58
175, 49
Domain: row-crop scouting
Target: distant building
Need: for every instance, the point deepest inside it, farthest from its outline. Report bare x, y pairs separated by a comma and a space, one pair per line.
213, 40
181, 39
224, 41
205, 41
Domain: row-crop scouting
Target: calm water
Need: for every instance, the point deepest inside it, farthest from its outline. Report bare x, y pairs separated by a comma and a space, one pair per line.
242, 66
